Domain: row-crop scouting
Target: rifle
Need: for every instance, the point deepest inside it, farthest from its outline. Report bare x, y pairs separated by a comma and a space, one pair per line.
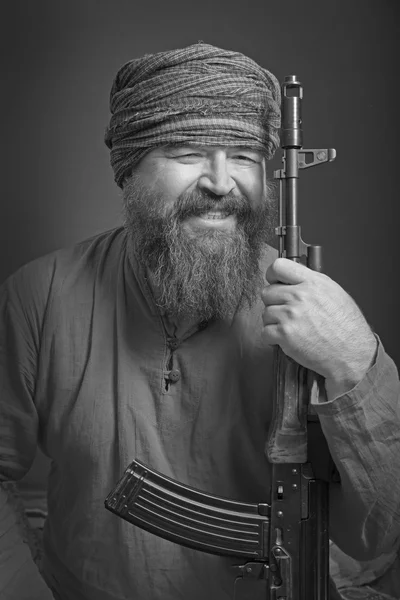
283, 545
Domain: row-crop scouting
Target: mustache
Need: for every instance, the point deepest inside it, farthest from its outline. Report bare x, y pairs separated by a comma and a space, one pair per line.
197, 203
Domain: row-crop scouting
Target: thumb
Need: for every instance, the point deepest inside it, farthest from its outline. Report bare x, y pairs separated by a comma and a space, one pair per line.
283, 270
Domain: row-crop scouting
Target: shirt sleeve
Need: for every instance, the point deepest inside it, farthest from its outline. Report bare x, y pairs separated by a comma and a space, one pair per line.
22, 303
362, 428
18, 417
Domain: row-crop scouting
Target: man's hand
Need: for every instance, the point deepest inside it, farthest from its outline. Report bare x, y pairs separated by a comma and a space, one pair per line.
317, 324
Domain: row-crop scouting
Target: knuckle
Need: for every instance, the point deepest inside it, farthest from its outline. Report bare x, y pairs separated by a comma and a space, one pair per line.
301, 289
285, 330
291, 312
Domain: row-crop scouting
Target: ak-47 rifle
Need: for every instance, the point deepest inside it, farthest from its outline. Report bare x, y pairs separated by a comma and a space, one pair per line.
282, 544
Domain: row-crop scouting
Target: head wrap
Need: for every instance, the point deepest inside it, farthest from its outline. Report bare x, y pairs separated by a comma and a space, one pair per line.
200, 94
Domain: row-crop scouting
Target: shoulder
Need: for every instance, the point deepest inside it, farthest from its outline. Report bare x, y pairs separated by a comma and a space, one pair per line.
34, 282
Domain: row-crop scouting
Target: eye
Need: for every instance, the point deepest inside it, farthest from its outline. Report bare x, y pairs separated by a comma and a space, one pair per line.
188, 156
245, 158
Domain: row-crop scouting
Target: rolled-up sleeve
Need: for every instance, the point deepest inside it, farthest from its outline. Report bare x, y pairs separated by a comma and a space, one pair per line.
362, 428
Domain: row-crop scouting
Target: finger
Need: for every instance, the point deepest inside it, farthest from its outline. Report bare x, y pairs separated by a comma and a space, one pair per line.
284, 270
277, 293
272, 315
272, 334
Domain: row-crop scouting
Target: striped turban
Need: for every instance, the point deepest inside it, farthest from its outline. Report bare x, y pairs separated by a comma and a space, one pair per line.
200, 94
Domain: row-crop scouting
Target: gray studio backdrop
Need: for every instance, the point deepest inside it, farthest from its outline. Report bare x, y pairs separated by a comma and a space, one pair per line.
59, 59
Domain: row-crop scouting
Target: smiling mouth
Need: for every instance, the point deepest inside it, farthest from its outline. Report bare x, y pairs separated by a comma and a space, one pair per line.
213, 216
215, 219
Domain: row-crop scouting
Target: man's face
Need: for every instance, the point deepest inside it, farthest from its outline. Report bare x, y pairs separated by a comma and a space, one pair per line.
217, 171
197, 217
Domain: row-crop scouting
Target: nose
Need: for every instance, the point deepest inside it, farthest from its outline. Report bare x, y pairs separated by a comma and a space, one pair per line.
215, 177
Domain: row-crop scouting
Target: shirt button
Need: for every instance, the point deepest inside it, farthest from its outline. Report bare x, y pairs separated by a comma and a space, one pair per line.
174, 375
173, 343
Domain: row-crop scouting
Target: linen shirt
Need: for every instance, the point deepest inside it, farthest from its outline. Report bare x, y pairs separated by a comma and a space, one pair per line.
86, 358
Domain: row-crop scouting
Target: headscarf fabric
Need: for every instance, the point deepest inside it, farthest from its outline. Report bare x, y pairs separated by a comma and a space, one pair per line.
200, 95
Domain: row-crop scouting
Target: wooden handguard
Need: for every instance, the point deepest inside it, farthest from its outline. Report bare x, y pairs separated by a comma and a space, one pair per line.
296, 389
287, 440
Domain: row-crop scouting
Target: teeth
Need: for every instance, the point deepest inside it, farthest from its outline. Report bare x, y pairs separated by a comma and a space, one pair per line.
214, 215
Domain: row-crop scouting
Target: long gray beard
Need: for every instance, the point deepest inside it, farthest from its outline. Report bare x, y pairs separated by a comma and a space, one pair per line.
205, 276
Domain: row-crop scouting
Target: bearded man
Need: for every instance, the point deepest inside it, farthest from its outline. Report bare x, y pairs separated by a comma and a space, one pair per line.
155, 340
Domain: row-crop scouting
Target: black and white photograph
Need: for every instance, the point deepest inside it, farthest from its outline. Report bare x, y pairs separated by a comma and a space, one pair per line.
199, 310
